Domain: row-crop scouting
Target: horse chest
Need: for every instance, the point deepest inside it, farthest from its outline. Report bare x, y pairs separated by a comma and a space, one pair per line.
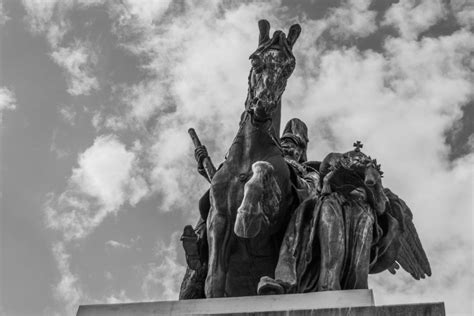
227, 191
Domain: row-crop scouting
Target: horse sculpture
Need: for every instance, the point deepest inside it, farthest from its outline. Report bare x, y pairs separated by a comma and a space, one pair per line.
254, 179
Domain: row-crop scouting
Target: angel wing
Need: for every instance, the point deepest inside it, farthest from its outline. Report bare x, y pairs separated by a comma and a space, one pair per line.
411, 256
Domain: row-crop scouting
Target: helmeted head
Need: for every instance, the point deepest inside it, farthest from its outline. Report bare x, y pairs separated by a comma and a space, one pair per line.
272, 64
295, 139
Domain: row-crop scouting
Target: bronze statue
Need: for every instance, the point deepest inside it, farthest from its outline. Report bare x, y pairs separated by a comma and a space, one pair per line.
355, 227
273, 222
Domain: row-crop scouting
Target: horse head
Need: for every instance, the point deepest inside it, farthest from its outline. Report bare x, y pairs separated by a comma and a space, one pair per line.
272, 64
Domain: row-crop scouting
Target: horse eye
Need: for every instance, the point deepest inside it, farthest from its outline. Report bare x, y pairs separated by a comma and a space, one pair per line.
257, 64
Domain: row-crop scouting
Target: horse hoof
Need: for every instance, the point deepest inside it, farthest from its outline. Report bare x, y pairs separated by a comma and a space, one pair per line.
268, 286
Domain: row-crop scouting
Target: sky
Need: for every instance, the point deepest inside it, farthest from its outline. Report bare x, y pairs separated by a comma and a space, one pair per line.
98, 176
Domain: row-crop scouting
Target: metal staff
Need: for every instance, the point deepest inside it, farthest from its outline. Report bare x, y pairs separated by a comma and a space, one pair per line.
207, 163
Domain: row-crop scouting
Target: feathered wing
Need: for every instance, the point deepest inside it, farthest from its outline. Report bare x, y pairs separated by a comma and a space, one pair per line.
411, 256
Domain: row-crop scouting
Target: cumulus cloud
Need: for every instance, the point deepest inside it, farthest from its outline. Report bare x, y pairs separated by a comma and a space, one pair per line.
352, 18
107, 177
68, 290
7, 101
163, 278
411, 17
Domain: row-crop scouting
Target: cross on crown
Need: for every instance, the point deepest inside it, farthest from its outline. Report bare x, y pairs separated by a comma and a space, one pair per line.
358, 145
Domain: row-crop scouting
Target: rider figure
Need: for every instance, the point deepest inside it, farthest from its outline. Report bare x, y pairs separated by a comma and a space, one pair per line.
294, 142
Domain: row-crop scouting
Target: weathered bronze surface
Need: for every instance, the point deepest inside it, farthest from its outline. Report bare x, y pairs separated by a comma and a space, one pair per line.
352, 228
274, 223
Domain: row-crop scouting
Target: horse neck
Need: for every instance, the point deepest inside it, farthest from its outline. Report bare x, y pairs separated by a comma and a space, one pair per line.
254, 141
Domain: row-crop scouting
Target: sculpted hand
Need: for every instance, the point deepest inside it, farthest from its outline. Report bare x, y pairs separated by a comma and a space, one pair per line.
200, 153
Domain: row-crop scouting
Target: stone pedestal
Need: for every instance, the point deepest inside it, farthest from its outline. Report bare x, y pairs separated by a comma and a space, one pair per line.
354, 302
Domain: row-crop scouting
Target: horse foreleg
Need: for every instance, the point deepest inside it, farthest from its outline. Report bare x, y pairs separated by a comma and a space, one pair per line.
216, 277
256, 201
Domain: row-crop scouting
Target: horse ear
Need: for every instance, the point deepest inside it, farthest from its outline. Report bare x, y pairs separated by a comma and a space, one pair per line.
293, 34
264, 27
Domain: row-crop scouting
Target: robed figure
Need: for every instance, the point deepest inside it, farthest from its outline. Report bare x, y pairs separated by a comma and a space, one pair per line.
353, 227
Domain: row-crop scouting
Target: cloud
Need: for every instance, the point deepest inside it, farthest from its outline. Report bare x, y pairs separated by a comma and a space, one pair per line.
464, 12
7, 101
108, 275
116, 245
352, 18
40, 13
68, 290
52, 18
78, 61
55, 148
68, 113
144, 11
118, 298
163, 278
107, 177
412, 17
3, 19
470, 143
